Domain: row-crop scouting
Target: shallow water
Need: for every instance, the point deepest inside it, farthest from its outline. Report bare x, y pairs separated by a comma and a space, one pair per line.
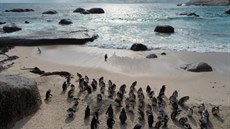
125, 24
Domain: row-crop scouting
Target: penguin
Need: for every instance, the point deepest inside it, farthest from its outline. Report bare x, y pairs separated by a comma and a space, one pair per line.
87, 112
132, 87
148, 89
123, 117
106, 57
154, 101
183, 120
190, 112
215, 110
64, 86
110, 111
99, 97
89, 90
110, 122
174, 114
201, 108
101, 79
79, 76
137, 126
118, 102
48, 94
76, 103
71, 112
157, 125
151, 94
141, 115
183, 100
165, 121
68, 79
162, 91
86, 79
150, 120
94, 123
94, 84
71, 91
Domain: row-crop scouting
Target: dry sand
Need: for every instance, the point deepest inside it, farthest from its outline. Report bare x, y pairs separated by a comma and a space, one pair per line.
122, 67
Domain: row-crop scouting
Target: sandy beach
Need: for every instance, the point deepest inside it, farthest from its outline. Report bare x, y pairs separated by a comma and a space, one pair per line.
122, 67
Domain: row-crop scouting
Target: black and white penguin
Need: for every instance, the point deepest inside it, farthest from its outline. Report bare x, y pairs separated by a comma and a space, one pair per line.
150, 120
48, 94
64, 86
215, 110
123, 117
110, 111
183, 100
87, 112
110, 122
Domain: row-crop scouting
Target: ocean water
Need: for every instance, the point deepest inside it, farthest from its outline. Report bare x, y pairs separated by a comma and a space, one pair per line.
125, 24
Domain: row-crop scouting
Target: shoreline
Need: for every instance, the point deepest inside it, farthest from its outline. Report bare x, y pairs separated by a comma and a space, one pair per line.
163, 70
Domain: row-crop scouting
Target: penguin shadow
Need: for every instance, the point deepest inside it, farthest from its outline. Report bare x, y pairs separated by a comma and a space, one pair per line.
117, 109
192, 120
155, 109
47, 101
176, 122
210, 125
131, 116
86, 121
63, 92
69, 120
69, 100
219, 118
124, 126
79, 94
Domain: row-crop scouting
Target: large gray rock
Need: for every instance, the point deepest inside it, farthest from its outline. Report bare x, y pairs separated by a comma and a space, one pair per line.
65, 22
138, 47
11, 28
197, 67
19, 97
227, 11
19, 10
96, 11
164, 29
50, 12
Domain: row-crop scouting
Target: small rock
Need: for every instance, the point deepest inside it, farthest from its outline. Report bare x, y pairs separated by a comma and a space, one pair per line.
2, 23
11, 28
227, 11
163, 53
50, 12
190, 14
79, 10
96, 11
65, 22
151, 56
138, 47
27, 22
164, 29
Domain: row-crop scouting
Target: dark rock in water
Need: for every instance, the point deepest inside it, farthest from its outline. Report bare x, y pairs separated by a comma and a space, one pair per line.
164, 29
208, 2
27, 22
65, 22
138, 47
85, 12
227, 11
19, 10
2, 23
79, 10
151, 56
11, 28
96, 11
179, 5
50, 12
163, 53
190, 14
19, 98
199, 67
